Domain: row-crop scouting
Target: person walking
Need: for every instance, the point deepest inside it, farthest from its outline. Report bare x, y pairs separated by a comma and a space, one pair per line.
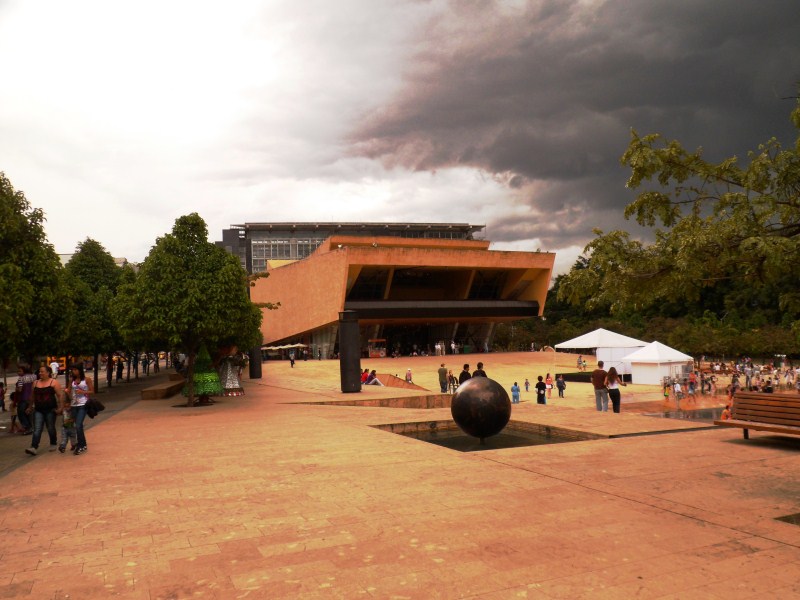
24, 389
48, 400
527, 385
67, 432
613, 381
442, 378
678, 393
561, 385
599, 384
548, 381
80, 388
515, 393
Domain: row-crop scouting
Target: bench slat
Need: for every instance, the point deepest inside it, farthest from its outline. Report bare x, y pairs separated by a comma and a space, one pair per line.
791, 410
769, 398
759, 426
746, 393
767, 419
768, 401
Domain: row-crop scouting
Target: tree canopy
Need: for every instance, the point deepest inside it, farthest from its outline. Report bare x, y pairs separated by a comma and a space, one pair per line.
726, 239
31, 284
189, 292
92, 278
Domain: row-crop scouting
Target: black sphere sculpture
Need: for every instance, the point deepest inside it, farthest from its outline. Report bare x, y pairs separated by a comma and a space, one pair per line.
481, 407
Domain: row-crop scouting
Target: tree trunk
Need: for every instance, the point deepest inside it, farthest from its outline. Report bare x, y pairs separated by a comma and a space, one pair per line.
96, 364
109, 368
190, 379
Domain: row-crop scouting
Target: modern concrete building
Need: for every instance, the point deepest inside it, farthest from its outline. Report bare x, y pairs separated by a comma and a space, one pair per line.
412, 288
257, 243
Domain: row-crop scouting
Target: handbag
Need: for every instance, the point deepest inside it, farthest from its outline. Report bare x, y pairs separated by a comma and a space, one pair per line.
94, 406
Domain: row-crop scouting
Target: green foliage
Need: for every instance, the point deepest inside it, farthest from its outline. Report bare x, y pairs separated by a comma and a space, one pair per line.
93, 279
206, 379
32, 294
188, 292
727, 241
93, 264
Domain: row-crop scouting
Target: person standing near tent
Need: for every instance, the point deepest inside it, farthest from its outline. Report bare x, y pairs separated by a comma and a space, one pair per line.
613, 381
600, 390
561, 385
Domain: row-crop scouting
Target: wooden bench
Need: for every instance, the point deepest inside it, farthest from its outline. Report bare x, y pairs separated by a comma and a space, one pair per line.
775, 413
162, 390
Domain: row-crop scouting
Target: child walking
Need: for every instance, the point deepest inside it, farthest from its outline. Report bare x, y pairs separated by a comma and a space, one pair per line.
68, 432
12, 407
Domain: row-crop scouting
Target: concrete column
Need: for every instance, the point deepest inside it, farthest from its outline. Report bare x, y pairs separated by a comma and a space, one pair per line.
349, 351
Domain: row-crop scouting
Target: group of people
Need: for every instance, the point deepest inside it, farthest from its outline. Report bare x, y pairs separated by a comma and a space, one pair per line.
37, 402
448, 382
370, 377
544, 388
606, 386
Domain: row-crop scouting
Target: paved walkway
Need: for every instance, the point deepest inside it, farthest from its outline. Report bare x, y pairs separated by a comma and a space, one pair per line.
270, 496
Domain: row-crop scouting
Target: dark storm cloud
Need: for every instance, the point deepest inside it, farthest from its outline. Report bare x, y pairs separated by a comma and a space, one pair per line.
544, 97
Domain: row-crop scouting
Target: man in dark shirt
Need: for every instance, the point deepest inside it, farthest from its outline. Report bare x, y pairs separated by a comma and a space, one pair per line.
443, 378
600, 389
479, 372
464, 375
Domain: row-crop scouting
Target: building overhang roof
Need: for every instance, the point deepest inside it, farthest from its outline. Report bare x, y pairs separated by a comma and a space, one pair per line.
442, 309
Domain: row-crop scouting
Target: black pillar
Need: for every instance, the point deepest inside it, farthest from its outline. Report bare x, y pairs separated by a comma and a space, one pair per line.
254, 367
349, 351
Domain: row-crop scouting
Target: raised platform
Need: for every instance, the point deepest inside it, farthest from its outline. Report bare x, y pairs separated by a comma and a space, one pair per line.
163, 390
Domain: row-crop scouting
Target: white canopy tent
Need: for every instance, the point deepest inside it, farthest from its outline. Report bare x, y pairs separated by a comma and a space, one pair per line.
656, 361
610, 347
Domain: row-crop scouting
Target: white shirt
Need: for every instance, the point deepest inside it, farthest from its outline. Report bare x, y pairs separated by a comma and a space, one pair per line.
54, 367
80, 393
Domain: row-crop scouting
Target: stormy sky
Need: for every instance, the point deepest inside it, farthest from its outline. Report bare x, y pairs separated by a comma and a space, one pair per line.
118, 117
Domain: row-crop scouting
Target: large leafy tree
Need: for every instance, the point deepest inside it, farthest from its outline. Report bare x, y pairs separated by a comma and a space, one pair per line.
33, 304
189, 292
724, 231
93, 278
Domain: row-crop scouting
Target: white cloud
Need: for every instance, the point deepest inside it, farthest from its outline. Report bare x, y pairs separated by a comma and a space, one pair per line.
118, 117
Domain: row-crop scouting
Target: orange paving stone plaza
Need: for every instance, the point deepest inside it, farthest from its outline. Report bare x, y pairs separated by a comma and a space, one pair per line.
274, 495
